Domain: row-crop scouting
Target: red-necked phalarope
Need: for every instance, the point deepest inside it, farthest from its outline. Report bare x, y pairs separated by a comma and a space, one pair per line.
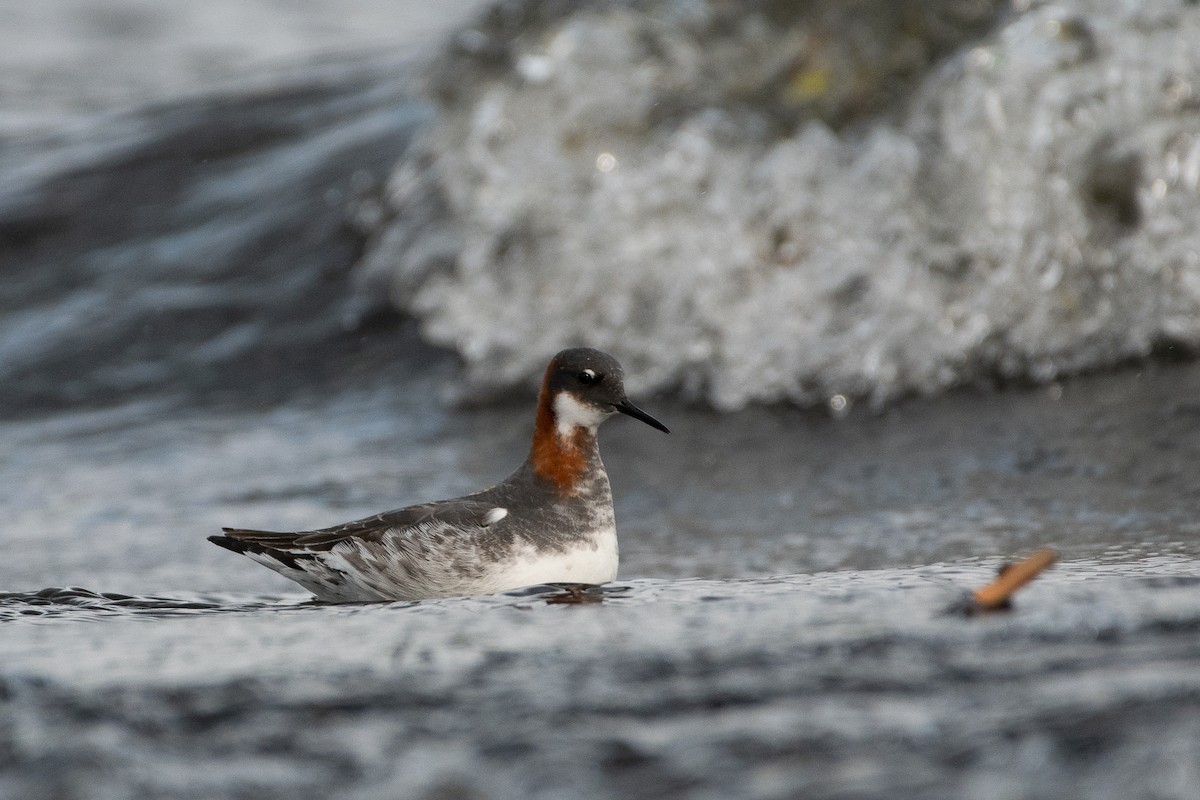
551, 521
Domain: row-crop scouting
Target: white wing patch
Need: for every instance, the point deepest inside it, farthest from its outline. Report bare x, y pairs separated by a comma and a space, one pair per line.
494, 516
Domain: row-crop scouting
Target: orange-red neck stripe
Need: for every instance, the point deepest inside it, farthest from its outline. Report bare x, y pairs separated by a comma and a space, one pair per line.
558, 459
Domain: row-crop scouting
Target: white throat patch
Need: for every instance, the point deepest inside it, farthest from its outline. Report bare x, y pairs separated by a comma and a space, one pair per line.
570, 414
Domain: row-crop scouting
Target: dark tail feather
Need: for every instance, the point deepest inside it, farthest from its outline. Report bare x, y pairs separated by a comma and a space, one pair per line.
268, 538
248, 545
229, 543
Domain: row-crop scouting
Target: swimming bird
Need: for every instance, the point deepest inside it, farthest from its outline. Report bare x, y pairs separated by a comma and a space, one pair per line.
551, 521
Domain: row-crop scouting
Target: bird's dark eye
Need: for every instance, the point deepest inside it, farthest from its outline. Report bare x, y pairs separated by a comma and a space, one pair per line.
588, 377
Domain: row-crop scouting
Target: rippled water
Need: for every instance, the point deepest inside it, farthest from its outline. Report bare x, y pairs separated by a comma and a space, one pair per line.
783, 624
835, 685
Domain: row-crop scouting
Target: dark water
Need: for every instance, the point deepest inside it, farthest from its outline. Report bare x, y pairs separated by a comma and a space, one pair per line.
836, 685
175, 358
781, 627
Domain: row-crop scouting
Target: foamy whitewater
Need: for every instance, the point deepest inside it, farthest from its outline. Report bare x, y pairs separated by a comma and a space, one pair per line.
749, 210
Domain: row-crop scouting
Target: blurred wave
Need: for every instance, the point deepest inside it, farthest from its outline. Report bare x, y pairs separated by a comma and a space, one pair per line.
814, 202
197, 246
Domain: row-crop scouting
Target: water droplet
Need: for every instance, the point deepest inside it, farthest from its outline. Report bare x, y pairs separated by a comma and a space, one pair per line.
536, 69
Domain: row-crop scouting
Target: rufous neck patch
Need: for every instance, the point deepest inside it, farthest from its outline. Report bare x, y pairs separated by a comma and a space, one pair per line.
559, 457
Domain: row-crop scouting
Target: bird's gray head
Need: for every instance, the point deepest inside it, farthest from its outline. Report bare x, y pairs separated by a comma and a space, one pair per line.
585, 386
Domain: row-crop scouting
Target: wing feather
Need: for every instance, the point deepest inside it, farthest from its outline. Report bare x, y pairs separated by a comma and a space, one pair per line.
456, 514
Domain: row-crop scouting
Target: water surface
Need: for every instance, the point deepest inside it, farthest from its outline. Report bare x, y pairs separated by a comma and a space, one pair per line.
783, 623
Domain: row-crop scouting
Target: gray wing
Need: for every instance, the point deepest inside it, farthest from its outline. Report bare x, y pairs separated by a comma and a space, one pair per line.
458, 514
420, 551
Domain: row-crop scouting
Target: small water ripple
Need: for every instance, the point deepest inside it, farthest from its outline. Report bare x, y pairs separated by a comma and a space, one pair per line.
639, 682
936, 587
78, 603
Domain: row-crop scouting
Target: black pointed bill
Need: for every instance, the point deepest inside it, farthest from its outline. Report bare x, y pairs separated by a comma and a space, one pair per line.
626, 407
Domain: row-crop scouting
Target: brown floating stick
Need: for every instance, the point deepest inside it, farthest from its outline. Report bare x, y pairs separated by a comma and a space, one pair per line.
997, 593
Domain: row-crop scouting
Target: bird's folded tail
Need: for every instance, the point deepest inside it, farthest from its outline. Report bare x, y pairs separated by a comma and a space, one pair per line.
273, 544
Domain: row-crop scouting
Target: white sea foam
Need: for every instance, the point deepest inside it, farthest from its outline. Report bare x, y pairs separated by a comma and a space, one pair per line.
1029, 211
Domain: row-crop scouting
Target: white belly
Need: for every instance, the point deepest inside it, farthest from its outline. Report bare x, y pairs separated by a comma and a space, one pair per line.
591, 561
